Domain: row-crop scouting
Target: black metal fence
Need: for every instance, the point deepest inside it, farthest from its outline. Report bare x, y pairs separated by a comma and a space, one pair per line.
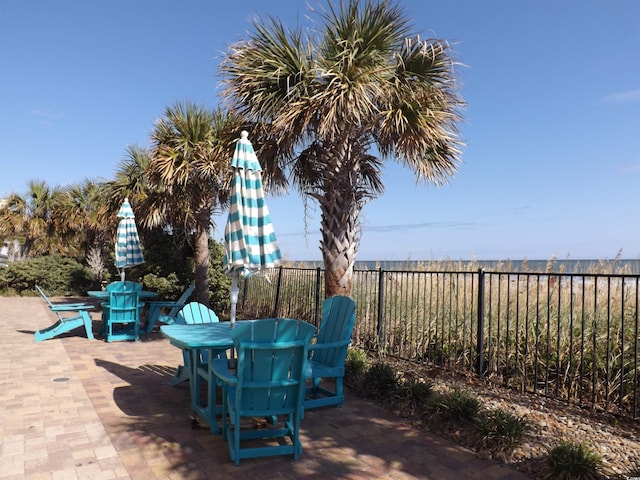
570, 336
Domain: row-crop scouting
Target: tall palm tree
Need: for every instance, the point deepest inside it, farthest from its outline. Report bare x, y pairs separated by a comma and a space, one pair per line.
30, 219
132, 182
190, 174
363, 80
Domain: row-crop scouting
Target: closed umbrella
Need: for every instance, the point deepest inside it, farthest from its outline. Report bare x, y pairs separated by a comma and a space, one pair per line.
249, 239
128, 250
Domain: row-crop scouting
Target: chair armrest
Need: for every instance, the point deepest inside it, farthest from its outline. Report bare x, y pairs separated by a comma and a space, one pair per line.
324, 346
71, 307
163, 304
220, 367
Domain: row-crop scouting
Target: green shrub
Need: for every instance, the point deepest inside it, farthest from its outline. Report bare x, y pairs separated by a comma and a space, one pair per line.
57, 275
572, 461
379, 382
219, 282
355, 365
500, 430
458, 406
167, 288
413, 395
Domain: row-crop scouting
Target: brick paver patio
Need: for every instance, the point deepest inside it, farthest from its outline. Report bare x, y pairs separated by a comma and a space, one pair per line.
79, 409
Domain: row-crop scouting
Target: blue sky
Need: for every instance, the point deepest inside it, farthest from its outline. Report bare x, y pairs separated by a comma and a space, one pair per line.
552, 128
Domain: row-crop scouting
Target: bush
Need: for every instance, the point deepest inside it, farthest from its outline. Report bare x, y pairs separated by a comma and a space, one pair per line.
500, 430
572, 461
57, 275
379, 382
458, 406
355, 365
167, 288
413, 395
219, 283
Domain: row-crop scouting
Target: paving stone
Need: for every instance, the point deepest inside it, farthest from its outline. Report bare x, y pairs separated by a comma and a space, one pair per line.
76, 408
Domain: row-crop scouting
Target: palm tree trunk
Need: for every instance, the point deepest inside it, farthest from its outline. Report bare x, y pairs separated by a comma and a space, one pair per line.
201, 293
340, 239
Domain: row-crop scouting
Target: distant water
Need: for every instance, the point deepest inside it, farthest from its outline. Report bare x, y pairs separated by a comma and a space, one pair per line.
626, 266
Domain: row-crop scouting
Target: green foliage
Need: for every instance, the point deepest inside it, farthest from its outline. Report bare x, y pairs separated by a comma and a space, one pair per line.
572, 461
379, 382
167, 288
165, 255
457, 406
219, 282
57, 275
413, 394
355, 365
500, 430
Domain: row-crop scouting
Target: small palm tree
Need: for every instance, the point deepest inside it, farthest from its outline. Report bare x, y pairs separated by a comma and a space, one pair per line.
190, 176
361, 81
30, 219
84, 222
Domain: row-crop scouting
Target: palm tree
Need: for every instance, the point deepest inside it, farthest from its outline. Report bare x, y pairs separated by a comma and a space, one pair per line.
86, 225
30, 219
363, 81
132, 182
190, 176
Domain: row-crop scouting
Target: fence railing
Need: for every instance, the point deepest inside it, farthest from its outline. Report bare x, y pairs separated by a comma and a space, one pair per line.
570, 336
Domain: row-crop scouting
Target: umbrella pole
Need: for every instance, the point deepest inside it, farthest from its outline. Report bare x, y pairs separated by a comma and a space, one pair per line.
122, 275
234, 298
232, 315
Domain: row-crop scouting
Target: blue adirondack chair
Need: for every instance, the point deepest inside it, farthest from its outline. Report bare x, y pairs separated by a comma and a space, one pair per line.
121, 315
79, 318
166, 311
269, 382
193, 313
120, 286
328, 354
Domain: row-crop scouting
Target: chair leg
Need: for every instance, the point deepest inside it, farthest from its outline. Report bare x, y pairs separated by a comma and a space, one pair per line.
88, 325
152, 316
65, 325
183, 372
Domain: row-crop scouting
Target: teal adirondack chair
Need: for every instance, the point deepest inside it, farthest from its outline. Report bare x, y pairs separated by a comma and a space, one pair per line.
269, 382
165, 312
190, 314
79, 318
121, 315
120, 286
328, 354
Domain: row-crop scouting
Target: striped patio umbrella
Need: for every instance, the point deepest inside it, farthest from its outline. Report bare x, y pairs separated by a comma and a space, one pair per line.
128, 251
249, 239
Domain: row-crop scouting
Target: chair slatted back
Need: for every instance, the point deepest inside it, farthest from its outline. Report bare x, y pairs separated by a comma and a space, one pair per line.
181, 302
338, 318
196, 313
43, 295
271, 359
123, 307
125, 286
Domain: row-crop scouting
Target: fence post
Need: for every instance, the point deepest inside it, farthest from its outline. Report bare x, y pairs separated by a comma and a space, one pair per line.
480, 331
317, 305
380, 304
277, 299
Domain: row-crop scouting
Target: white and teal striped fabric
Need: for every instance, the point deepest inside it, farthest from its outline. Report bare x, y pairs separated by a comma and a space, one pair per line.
128, 250
250, 243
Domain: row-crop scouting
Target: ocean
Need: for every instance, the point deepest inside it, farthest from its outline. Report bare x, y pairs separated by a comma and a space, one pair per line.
616, 266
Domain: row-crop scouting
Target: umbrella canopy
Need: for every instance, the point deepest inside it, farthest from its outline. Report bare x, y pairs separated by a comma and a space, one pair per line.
249, 239
128, 251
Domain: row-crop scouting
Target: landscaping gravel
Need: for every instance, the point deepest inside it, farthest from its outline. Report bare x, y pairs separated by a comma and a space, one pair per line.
616, 439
